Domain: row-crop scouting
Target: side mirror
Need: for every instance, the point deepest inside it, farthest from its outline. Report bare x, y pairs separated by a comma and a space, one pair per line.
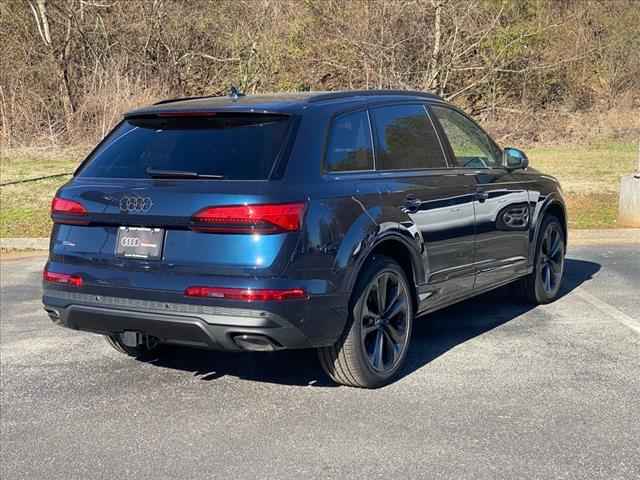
514, 159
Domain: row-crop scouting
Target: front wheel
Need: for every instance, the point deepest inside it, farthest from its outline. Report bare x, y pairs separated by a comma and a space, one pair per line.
373, 348
543, 284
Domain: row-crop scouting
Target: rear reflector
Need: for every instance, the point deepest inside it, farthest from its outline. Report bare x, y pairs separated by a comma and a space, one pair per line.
62, 278
266, 218
247, 294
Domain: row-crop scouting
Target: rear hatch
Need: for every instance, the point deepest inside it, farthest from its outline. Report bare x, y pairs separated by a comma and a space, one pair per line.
180, 196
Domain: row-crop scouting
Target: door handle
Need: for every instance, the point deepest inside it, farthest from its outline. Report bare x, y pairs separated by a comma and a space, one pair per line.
481, 196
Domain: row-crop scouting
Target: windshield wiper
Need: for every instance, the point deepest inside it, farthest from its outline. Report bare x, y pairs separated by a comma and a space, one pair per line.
154, 173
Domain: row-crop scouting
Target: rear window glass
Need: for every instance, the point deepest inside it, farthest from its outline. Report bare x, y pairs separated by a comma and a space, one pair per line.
234, 146
350, 144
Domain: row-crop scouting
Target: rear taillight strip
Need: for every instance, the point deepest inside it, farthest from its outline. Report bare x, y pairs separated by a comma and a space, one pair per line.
68, 211
62, 278
261, 218
247, 294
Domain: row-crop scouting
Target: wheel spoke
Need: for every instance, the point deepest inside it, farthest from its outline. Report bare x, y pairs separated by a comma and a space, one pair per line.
381, 288
397, 305
393, 346
547, 278
553, 266
394, 333
555, 246
545, 243
366, 311
367, 329
378, 350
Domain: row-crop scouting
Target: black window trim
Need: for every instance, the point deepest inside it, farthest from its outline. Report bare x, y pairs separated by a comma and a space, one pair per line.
454, 165
325, 166
446, 166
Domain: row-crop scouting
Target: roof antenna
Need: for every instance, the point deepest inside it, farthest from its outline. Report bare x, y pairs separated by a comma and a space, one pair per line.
234, 93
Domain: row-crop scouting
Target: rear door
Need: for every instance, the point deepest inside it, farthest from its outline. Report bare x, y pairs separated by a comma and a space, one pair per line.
189, 186
501, 200
411, 161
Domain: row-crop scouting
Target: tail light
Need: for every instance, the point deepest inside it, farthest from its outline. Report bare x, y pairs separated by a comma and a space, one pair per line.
68, 211
62, 278
265, 219
247, 294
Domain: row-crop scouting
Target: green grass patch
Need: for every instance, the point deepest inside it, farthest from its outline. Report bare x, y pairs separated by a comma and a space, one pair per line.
592, 210
590, 178
24, 207
589, 169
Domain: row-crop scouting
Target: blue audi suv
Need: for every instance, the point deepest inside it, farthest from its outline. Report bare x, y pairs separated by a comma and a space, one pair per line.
302, 220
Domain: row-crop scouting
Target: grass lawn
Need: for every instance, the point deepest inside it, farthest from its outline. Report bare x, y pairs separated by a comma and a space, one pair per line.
24, 207
590, 177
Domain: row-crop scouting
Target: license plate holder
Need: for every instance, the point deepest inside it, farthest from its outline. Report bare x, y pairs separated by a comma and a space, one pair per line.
139, 242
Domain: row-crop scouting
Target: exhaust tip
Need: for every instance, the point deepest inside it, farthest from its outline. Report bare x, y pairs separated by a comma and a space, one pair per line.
54, 314
131, 339
255, 343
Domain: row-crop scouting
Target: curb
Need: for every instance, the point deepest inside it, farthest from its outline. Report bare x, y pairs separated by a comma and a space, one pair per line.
611, 236
24, 243
576, 237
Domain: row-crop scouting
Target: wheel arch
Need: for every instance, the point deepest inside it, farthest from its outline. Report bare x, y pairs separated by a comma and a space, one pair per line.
558, 210
554, 206
396, 246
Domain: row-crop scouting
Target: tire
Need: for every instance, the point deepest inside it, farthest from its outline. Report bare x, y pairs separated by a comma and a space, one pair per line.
374, 345
543, 284
140, 351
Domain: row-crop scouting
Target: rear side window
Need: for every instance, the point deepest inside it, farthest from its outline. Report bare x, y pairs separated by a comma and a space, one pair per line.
234, 146
406, 139
350, 143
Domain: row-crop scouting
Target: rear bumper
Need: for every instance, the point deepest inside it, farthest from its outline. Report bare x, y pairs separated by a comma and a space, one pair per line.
288, 325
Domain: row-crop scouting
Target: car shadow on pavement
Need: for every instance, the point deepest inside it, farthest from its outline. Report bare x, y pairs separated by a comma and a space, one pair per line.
433, 335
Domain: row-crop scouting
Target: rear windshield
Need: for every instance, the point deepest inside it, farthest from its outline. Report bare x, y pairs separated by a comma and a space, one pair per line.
232, 146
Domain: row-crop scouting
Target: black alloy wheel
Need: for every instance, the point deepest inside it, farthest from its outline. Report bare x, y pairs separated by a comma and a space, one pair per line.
373, 348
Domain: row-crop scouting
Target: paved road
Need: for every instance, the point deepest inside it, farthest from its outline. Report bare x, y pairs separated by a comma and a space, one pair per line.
492, 390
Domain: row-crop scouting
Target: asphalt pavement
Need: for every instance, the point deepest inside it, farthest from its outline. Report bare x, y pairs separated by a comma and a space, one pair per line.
492, 389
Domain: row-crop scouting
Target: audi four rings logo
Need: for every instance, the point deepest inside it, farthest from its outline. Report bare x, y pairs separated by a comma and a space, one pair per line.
130, 242
135, 204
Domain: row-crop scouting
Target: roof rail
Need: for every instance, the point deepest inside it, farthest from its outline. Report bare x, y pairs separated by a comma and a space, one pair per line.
365, 93
180, 99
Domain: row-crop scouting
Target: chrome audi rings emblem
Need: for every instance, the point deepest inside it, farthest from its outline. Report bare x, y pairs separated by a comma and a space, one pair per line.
133, 204
130, 242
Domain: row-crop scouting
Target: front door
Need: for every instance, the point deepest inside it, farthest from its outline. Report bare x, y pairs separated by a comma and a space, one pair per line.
501, 200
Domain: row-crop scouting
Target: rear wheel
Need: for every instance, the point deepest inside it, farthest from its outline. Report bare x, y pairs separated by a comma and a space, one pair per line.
373, 348
543, 284
148, 345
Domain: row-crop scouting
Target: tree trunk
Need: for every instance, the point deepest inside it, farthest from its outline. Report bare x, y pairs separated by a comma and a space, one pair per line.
434, 82
60, 60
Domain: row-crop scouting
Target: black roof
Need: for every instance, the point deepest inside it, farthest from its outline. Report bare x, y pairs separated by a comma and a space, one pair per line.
273, 103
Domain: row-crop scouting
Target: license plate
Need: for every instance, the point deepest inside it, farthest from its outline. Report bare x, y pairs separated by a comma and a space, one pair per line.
136, 242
